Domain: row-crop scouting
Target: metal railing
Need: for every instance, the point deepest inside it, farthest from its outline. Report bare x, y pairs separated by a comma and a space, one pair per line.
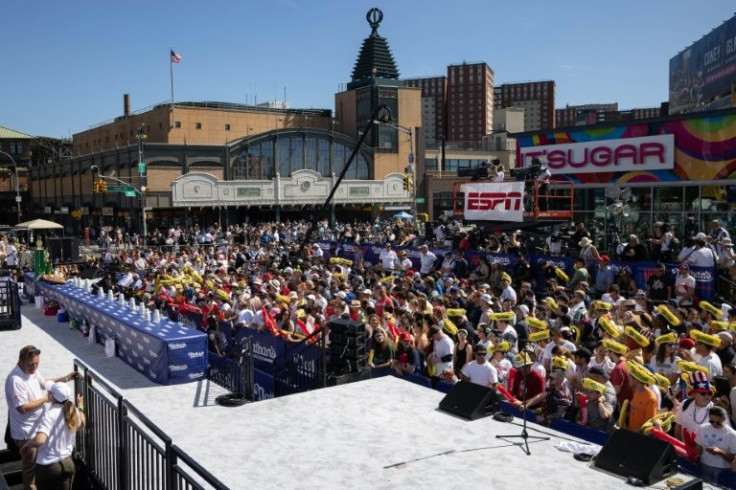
123, 450
235, 375
302, 367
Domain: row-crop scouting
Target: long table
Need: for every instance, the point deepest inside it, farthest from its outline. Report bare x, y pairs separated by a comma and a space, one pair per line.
165, 352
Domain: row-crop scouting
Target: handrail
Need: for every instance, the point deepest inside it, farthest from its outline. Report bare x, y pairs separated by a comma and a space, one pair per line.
200, 470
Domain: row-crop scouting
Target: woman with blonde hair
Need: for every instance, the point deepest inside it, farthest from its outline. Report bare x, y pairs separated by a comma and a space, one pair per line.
55, 439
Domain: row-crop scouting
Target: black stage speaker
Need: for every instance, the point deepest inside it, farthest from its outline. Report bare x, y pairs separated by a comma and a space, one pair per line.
470, 401
63, 249
347, 347
632, 454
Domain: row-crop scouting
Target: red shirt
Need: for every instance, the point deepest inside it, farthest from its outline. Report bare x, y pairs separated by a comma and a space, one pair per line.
620, 377
535, 384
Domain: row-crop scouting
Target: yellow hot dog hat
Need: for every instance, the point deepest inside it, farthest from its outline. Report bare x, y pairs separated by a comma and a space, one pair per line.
505, 317
550, 302
592, 385
616, 347
668, 338
540, 335
602, 305
661, 380
561, 275
283, 299
222, 294
637, 337
609, 327
717, 326
502, 347
455, 312
704, 338
536, 323
688, 367
560, 363
640, 373
716, 312
671, 318
449, 326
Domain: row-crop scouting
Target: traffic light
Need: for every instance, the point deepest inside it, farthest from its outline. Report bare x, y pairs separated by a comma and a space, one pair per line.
408, 186
96, 186
103, 186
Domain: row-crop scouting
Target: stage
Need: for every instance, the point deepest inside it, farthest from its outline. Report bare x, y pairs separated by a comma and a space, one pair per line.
380, 433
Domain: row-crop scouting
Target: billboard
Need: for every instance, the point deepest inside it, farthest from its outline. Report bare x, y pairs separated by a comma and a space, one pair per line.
618, 155
705, 70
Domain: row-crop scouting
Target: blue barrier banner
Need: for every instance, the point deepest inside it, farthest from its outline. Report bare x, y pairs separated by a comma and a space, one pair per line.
266, 347
263, 385
640, 271
166, 352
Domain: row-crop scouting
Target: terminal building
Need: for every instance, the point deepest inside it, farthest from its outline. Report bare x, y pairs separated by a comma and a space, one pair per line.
209, 162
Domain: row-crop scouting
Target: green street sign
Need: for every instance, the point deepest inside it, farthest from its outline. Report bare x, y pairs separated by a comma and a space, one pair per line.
120, 188
130, 193
420, 200
142, 167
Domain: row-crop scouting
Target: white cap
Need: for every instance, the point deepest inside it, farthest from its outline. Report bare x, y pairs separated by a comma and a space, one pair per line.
487, 298
61, 392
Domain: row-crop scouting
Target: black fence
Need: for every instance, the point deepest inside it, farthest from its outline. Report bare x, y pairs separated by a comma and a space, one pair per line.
302, 367
726, 289
234, 374
9, 305
123, 450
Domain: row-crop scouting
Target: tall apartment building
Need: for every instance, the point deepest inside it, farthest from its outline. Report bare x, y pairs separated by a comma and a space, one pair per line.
536, 98
469, 101
434, 97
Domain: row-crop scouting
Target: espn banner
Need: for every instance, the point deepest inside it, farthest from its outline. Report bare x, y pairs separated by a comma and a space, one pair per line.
494, 201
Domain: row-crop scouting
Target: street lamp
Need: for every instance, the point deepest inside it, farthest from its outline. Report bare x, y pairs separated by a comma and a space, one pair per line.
17, 183
410, 166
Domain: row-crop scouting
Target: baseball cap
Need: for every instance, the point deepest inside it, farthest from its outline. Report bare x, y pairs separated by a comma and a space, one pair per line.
61, 392
487, 298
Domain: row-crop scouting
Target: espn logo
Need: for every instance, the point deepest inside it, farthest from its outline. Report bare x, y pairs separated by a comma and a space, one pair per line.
483, 201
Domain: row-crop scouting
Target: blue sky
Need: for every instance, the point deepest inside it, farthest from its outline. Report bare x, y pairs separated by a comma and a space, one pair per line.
67, 64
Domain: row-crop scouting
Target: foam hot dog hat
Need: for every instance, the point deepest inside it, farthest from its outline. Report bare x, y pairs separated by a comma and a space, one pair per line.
637, 337
536, 323
614, 346
540, 335
608, 327
716, 312
704, 338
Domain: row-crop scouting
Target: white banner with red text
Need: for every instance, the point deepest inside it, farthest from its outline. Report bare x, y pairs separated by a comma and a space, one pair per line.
618, 155
494, 201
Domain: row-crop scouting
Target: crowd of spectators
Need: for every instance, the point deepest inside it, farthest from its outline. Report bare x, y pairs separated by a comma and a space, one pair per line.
595, 348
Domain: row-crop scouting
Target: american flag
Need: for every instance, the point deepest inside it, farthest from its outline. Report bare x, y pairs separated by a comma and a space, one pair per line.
175, 57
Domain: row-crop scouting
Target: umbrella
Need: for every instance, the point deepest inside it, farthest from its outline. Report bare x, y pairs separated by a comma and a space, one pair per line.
39, 224
403, 215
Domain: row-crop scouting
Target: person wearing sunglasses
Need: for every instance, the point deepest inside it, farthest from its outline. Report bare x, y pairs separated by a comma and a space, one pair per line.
694, 410
716, 444
479, 370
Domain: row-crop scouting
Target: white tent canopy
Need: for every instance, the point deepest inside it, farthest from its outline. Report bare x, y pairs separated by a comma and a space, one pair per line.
39, 224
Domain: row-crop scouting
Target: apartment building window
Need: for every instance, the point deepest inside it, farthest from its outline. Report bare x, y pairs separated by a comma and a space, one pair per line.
198, 125
16, 147
227, 127
177, 124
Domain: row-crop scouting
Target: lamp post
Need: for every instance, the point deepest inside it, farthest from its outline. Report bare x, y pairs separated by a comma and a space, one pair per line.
411, 165
17, 183
142, 183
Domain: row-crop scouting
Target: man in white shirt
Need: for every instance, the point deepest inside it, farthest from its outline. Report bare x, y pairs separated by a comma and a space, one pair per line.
441, 356
427, 259
507, 293
11, 254
704, 347
25, 395
479, 371
684, 286
389, 259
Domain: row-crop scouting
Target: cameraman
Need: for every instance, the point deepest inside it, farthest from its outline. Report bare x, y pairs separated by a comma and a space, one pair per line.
553, 244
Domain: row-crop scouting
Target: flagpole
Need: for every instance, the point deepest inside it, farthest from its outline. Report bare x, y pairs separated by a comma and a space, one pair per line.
171, 74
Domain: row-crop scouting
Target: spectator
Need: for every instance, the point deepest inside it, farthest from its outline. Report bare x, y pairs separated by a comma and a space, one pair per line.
53, 443
528, 384
660, 285
463, 350
408, 359
715, 443
26, 395
684, 286
479, 371
382, 352
604, 278
634, 251
643, 405
440, 360
599, 411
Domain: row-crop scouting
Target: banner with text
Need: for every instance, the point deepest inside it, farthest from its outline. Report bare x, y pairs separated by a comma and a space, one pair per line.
494, 201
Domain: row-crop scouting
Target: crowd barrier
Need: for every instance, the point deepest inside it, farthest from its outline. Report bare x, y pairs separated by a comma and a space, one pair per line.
640, 271
122, 449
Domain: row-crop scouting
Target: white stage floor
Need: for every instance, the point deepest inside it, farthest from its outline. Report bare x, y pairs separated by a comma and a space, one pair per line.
350, 436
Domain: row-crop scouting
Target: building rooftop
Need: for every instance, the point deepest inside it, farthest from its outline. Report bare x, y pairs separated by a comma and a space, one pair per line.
7, 133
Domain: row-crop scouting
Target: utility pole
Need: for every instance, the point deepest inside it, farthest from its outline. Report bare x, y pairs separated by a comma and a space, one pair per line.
142, 184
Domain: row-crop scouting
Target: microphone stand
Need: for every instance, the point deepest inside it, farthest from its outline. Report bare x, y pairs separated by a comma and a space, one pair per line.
524, 444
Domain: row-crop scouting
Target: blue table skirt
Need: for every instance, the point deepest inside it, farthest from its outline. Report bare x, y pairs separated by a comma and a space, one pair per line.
165, 352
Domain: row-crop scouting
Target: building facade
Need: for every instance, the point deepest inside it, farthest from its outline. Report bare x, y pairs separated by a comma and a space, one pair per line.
536, 98
469, 101
15, 159
434, 107
678, 169
211, 162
